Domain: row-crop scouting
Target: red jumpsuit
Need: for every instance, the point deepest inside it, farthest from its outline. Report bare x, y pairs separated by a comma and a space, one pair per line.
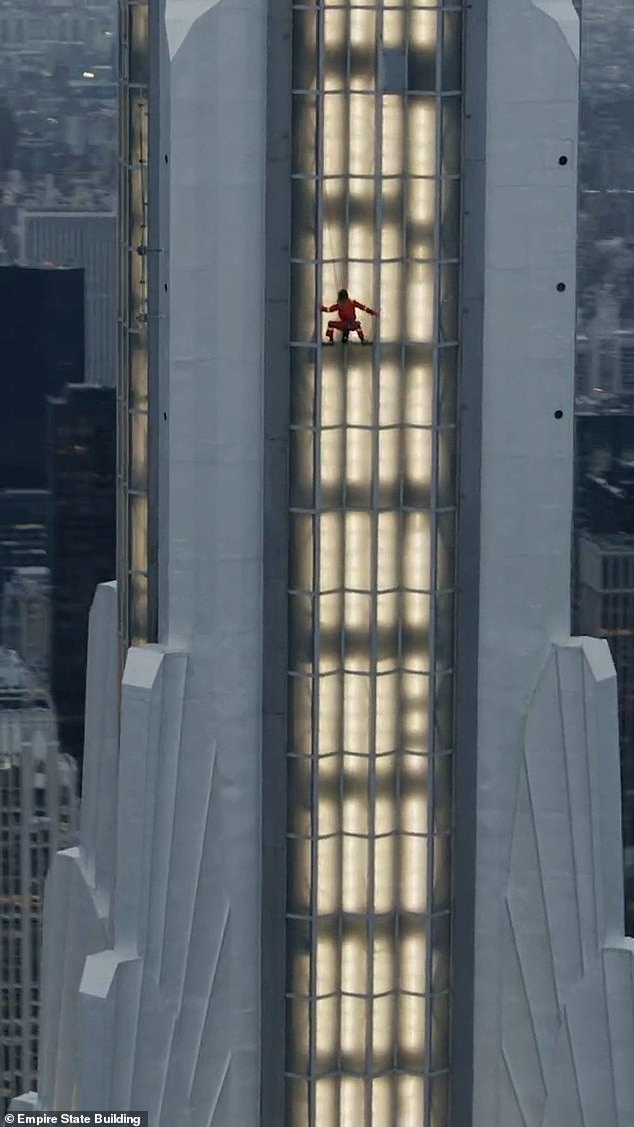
348, 321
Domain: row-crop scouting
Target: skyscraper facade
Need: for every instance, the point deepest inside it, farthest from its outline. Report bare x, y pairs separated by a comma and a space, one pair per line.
38, 815
87, 241
26, 619
82, 455
42, 347
24, 526
348, 854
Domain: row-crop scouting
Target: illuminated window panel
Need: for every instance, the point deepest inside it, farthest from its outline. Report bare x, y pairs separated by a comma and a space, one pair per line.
133, 536
376, 209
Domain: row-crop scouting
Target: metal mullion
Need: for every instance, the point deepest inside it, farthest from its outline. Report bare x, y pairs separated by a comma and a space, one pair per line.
11, 961
400, 578
340, 787
26, 936
405, 178
374, 507
344, 507
434, 571
124, 313
457, 455
348, 82
346, 428
316, 654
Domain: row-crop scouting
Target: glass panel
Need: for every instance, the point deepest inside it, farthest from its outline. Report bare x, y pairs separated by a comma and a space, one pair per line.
301, 543
301, 468
305, 56
335, 26
421, 214
304, 226
300, 633
447, 386
297, 1098
138, 39
332, 461
330, 724
138, 394
445, 550
439, 1032
356, 715
357, 632
359, 467
420, 302
334, 140
390, 386
303, 319
300, 713
331, 558
440, 1098
410, 1100
304, 148
444, 652
440, 949
389, 468
422, 67
138, 609
415, 631
419, 386
444, 734
446, 495
452, 51
302, 387
451, 111
138, 532
330, 622
297, 1040
421, 112
448, 298
416, 551
412, 1027
138, 478
450, 219
418, 461
299, 773
298, 875
442, 765
442, 873
333, 392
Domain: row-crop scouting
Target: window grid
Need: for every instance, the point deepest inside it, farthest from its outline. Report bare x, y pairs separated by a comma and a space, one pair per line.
133, 376
38, 816
371, 589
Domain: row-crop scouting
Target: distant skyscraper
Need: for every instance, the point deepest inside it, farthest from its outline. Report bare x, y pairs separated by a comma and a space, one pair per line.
606, 610
82, 450
604, 581
604, 449
367, 860
24, 529
38, 815
42, 349
87, 240
26, 619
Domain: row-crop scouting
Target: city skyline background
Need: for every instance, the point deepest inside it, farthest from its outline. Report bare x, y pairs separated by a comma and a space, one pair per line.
58, 341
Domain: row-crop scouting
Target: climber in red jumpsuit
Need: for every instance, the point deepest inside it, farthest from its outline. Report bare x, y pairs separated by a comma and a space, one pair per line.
346, 307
